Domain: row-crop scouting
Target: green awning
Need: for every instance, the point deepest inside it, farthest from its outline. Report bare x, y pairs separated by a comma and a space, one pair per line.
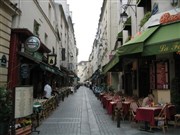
120, 35
127, 24
47, 68
136, 45
51, 69
165, 40
111, 64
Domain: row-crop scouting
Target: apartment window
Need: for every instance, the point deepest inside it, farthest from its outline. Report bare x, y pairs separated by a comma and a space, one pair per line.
50, 11
36, 28
63, 52
46, 38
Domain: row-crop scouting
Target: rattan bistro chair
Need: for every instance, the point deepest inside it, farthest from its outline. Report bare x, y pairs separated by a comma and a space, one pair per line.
133, 108
119, 111
161, 120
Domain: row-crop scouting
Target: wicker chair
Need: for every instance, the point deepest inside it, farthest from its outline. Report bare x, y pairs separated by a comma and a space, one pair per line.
161, 120
140, 100
119, 111
133, 107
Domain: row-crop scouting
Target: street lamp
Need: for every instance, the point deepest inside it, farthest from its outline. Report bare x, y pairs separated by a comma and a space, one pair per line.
124, 15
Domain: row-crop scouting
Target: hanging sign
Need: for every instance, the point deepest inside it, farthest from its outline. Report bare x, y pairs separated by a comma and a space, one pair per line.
3, 61
32, 44
52, 59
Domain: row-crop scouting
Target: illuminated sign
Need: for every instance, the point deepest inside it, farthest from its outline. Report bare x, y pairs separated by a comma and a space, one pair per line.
32, 44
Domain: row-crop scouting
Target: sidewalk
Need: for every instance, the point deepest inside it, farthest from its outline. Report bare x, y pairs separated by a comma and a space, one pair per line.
82, 114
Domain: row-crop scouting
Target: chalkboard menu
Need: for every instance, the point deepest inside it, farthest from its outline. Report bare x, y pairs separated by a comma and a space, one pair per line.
23, 101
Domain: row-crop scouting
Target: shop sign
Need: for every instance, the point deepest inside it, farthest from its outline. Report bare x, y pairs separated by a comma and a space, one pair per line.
52, 59
25, 71
169, 48
155, 8
3, 61
32, 44
38, 56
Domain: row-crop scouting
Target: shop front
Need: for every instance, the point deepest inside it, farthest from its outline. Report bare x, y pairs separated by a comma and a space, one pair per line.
135, 69
151, 62
164, 44
27, 62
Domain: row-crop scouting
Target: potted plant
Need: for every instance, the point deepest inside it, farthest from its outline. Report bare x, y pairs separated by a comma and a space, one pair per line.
175, 93
6, 110
145, 19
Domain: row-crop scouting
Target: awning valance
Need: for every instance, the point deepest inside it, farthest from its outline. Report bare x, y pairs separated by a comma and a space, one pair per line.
165, 40
29, 57
136, 44
51, 69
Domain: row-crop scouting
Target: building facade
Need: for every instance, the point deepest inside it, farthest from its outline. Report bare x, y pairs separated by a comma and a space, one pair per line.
50, 29
127, 69
7, 11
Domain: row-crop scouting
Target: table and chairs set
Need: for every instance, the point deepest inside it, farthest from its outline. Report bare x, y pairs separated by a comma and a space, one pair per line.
121, 107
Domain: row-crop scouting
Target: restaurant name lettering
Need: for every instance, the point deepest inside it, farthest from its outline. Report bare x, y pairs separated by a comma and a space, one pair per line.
170, 48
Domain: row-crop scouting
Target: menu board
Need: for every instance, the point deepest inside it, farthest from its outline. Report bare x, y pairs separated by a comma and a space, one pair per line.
162, 75
23, 101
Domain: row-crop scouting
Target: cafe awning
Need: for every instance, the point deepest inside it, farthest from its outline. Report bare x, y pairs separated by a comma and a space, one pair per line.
111, 64
29, 57
50, 69
136, 44
25, 33
165, 40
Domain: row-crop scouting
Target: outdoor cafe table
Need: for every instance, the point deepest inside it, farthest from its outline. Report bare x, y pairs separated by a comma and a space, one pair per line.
105, 101
108, 100
111, 107
126, 107
101, 96
147, 114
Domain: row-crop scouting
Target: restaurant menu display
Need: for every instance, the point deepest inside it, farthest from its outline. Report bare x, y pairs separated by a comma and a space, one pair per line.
23, 101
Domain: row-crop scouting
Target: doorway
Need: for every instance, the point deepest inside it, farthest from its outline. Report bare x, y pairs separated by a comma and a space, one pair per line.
144, 81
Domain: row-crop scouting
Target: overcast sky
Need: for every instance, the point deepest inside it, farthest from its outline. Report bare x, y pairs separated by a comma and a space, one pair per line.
85, 16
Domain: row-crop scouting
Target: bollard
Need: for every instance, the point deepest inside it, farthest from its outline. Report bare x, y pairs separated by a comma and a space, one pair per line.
118, 119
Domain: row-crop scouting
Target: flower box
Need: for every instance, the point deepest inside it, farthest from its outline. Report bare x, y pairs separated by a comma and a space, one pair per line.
24, 130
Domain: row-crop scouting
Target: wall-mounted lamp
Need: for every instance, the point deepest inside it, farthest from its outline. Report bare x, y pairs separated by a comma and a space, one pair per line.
124, 15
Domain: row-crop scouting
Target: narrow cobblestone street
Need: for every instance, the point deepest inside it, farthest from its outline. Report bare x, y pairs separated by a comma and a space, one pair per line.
82, 114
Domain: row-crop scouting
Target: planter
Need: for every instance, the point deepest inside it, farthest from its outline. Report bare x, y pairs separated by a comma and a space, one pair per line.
24, 130
4, 128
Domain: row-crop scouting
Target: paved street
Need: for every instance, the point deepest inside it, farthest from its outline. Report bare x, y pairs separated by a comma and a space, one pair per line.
82, 114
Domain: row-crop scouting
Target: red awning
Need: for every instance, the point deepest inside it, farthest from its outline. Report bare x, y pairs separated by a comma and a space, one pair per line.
25, 33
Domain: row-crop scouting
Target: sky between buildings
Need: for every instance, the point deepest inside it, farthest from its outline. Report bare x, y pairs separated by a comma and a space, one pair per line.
85, 16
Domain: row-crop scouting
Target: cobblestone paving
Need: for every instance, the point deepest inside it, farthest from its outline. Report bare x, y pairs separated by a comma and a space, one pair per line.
82, 114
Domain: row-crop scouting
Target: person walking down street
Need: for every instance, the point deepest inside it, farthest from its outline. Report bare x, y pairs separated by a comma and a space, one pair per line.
47, 90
